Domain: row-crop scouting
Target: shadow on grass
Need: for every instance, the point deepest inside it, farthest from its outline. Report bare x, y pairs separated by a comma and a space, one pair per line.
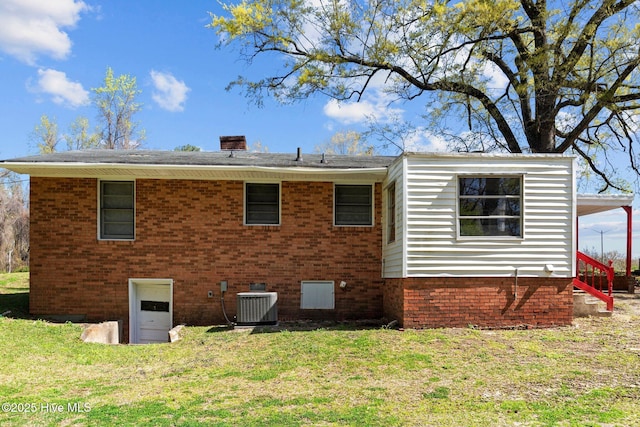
303, 326
15, 305
223, 328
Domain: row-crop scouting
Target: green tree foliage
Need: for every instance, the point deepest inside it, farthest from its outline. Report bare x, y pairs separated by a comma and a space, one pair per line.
187, 147
520, 75
116, 104
80, 137
619, 259
347, 142
45, 135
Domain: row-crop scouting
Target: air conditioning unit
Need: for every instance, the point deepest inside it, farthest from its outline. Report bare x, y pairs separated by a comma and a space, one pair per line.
257, 308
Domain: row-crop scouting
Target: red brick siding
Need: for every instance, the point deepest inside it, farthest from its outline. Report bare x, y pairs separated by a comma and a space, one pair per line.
393, 300
480, 301
193, 232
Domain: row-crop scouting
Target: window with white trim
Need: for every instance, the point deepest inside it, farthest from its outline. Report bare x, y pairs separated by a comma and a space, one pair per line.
262, 204
490, 206
353, 205
391, 213
117, 210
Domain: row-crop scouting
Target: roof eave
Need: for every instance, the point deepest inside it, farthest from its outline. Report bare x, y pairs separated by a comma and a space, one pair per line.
202, 172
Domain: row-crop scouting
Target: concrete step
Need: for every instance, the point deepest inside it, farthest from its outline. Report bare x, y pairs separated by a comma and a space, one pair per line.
585, 305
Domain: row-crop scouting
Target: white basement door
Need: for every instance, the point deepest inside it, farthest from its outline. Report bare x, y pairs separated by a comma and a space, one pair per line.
153, 313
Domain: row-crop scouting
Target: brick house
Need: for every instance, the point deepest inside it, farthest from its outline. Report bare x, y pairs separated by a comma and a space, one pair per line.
430, 240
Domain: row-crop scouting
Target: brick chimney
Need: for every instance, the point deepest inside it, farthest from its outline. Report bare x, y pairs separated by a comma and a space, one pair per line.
238, 143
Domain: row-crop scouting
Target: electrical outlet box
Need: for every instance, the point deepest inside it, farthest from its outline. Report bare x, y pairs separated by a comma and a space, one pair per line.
210, 294
223, 286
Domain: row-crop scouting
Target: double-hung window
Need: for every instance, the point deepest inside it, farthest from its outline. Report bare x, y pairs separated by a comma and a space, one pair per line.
117, 210
353, 205
262, 204
490, 206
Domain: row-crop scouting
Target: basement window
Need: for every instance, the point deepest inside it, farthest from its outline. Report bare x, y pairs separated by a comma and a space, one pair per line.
353, 205
262, 204
117, 210
490, 206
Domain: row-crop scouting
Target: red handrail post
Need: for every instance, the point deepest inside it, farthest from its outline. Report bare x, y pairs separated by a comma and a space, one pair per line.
610, 276
590, 267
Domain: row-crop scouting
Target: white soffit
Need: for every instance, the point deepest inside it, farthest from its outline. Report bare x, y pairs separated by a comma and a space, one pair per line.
200, 172
594, 203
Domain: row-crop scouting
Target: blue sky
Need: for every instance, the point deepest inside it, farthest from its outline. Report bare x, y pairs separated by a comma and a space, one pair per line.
60, 50
53, 52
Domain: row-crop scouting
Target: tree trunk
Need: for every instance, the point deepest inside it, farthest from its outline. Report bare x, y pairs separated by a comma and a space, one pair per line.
544, 128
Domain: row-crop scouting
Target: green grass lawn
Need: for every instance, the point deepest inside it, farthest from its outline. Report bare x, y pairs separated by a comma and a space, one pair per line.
585, 375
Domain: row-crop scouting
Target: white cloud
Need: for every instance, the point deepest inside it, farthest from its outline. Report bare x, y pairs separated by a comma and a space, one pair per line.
426, 141
350, 112
497, 81
375, 106
29, 28
169, 92
61, 89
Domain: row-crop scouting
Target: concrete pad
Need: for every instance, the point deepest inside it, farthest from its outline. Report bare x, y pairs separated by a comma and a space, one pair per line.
174, 334
103, 333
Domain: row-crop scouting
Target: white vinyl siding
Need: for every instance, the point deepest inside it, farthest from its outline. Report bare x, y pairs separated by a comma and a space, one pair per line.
393, 252
433, 247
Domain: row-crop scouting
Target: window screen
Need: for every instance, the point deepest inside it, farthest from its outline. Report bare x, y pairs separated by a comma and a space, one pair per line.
353, 205
490, 206
262, 204
117, 210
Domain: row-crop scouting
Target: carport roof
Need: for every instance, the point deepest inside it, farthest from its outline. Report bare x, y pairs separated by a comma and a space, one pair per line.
594, 203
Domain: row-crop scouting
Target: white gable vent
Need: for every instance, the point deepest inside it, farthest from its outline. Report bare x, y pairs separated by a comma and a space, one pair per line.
257, 308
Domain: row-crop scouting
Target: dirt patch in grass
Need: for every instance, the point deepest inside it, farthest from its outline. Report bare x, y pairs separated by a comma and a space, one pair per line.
305, 374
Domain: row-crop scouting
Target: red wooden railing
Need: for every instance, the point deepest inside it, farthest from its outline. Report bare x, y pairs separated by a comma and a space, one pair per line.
595, 278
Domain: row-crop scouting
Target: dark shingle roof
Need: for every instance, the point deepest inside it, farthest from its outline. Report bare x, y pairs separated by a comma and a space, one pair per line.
206, 158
